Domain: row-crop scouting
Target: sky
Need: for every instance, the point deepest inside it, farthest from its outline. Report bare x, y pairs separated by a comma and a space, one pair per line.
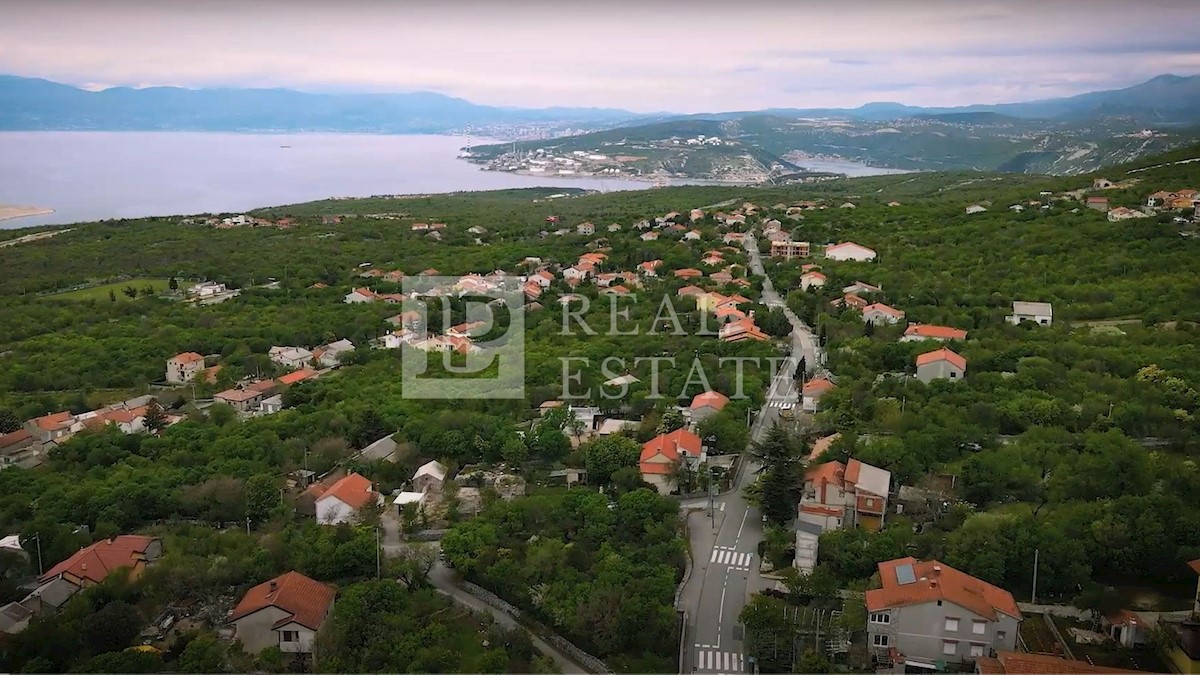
640, 55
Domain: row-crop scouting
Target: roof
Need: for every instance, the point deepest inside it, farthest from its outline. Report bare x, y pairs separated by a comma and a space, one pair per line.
848, 246
96, 561
297, 376
830, 472
380, 449
1096, 200
817, 386
354, 491
1035, 308
822, 509
238, 395
933, 581
935, 332
187, 357
54, 421
1021, 663
14, 438
868, 478
942, 354
690, 290
432, 468
883, 309
711, 399
672, 446
305, 600
822, 444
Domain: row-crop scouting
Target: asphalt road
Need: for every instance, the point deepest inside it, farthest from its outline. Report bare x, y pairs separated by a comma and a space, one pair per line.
724, 539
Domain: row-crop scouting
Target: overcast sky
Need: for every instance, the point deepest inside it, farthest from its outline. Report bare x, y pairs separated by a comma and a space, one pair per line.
648, 55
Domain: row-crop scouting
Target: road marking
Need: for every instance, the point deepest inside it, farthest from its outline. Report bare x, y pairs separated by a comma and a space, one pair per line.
739, 534
715, 661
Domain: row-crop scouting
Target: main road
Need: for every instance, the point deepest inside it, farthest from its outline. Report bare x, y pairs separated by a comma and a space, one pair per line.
724, 538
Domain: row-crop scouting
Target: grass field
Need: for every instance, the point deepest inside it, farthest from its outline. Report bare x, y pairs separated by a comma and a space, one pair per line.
101, 292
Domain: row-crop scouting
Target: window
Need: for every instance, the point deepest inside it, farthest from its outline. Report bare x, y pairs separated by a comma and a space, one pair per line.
870, 502
976, 650
290, 636
978, 627
880, 640
951, 625
1000, 635
949, 648
881, 617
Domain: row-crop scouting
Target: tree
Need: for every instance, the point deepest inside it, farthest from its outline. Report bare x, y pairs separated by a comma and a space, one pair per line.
262, 495
112, 295
203, 654
9, 421
156, 417
606, 455
173, 283
113, 627
130, 292
126, 661
1100, 601
413, 565
672, 419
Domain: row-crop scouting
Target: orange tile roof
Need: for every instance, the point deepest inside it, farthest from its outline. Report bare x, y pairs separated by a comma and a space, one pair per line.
19, 436
297, 376
187, 357
306, 601
1021, 663
96, 561
238, 395
943, 583
938, 332
670, 446
688, 273
822, 444
1195, 565
822, 509
833, 473
817, 387
690, 290
55, 421
712, 399
942, 354
880, 307
354, 490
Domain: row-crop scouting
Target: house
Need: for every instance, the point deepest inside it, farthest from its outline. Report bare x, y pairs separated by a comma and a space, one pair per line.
183, 367
578, 272
53, 427
696, 214
271, 404
1041, 313
812, 279
1122, 213
290, 357
733, 237
879, 314
917, 332
692, 235
1024, 663
285, 612
342, 501
741, 330
822, 445
847, 205
542, 278
856, 491
407, 319
241, 400
893, 203
430, 477
942, 364
360, 296
586, 229
707, 404
382, 449
976, 208
91, 564
812, 391
18, 447
1161, 198
649, 268
1126, 628
614, 227
688, 273
331, 354
690, 291
662, 455
928, 613
789, 250
649, 236
849, 251
1097, 203
861, 288
1016, 208
713, 260
721, 277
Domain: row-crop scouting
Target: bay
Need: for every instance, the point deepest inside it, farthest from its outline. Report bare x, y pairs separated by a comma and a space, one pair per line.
98, 175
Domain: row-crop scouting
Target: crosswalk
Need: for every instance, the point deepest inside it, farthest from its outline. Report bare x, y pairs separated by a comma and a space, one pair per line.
727, 556
779, 403
717, 661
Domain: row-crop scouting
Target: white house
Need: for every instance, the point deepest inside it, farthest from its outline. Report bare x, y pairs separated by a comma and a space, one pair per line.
812, 392
285, 612
1041, 313
880, 313
183, 367
849, 251
290, 357
330, 355
360, 296
812, 279
341, 502
976, 208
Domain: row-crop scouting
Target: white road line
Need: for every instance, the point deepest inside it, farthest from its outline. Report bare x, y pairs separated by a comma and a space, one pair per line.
739, 534
714, 556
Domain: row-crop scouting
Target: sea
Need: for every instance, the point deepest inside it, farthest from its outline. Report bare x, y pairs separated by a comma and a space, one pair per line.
98, 175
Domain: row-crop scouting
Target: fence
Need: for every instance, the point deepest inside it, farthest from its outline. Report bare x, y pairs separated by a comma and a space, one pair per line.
589, 662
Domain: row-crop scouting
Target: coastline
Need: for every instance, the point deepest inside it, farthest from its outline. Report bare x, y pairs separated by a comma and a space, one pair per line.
10, 211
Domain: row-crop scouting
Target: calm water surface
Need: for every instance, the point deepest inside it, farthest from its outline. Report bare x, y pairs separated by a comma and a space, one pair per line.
90, 175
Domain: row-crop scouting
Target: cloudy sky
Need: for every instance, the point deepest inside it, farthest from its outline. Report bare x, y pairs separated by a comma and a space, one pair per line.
644, 55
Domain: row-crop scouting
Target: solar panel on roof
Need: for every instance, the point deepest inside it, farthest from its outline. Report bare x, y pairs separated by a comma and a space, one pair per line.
905, 574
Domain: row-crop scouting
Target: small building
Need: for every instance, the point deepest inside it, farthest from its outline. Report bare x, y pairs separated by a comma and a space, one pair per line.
849, 251
360, 296
707, 404
290, 357
976, 208
383, 449
807, 537
241, 400
1126, 628
941, 364
812, 279
271, 404
879, 314
812, 391
285, 612
1041, 313
586, 229
91, 564
927, 613
183, 367
1097, 203
431, 476
790, 250
662, 455
918, 332
342, 501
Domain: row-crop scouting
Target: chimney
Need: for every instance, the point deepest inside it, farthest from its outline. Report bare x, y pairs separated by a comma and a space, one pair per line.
274, 586
933, 583
937, 569
83, 567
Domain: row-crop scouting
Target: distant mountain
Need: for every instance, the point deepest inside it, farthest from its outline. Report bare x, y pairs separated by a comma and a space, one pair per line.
36, 104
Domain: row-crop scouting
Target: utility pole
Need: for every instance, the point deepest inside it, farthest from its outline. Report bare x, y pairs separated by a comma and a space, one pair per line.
247, 524
1033, 594
37, 537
